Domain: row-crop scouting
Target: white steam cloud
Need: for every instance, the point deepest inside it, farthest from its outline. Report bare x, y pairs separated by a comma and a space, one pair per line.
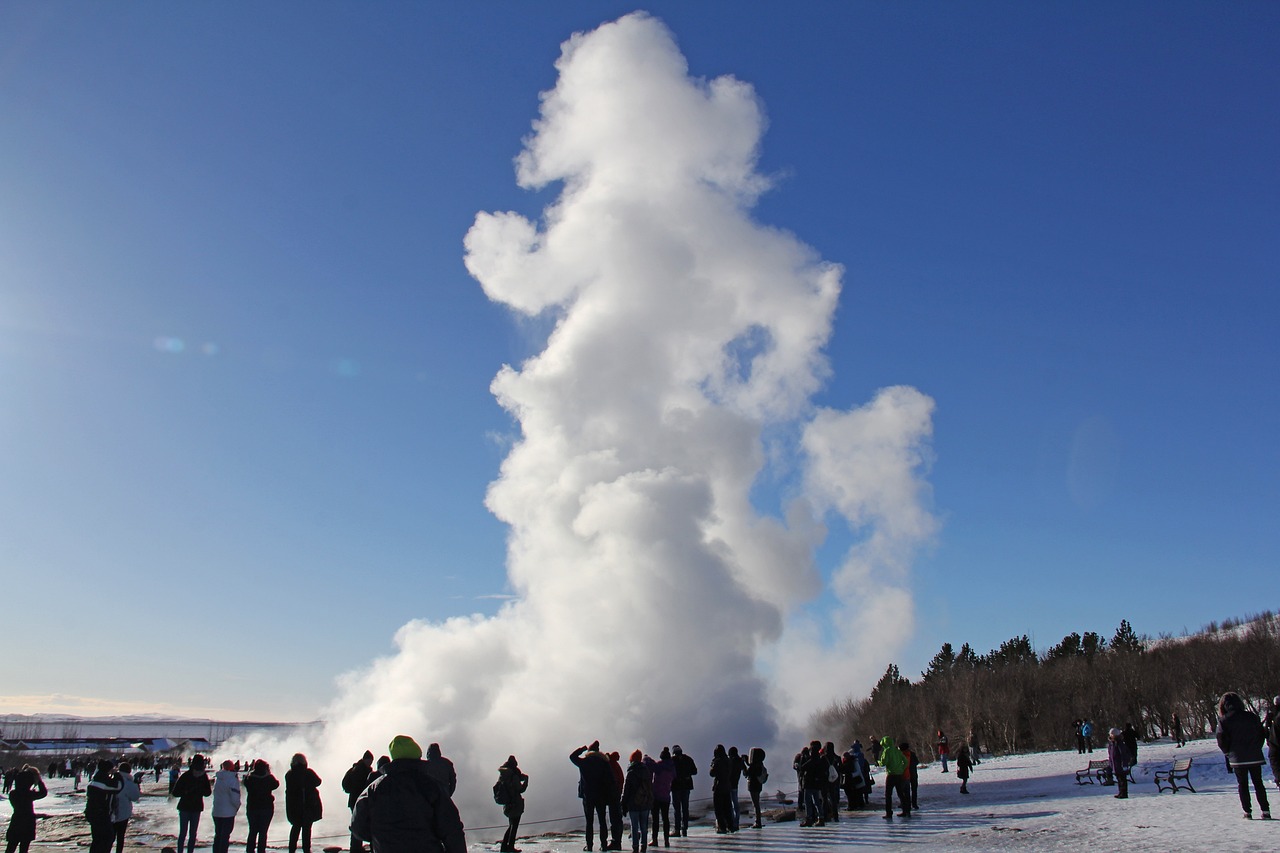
655, 603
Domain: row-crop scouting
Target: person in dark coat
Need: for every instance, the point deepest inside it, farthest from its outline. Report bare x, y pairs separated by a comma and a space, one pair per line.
964, 763
722, 788
664, 776
637, 800
259, 804
681, 788
736, 766
615, 807
1118, 755
405, 810
441, 769
100, 807
1272, 726
815, 770
353, 783
1240, 737
913, 773
191, 788
596, 787
27, 788
831, 793
512, 784
302, 806
756, 774
1131, 743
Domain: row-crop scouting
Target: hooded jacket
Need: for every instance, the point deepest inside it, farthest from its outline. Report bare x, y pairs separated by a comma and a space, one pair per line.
257, 788
405, 810
191, 789
1240, 732
596, 784
637, 790
129, 794
302, 796
100, 796
441, 769
664, 776
686, 769
226, 794
891, 758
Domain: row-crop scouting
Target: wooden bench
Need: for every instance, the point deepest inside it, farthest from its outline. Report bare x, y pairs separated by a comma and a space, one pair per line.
1100, 772
1095, 772
1181, 770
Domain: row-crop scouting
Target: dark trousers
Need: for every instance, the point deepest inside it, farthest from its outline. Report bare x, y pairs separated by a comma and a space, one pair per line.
896, 782
1243, 775
592, 810
915, 790
755, 804
259, 822
615, 823
512, 811
222, 827
722, 803
188, 823
120, 827
661, 813
303, 831
680, 802
102, 833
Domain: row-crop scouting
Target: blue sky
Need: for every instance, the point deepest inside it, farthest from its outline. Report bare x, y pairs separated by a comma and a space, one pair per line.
245, 420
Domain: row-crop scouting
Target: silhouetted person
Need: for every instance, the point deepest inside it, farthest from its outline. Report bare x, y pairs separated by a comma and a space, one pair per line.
406, 809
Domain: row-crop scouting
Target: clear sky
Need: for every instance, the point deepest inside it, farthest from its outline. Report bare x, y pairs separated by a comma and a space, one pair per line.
246, 426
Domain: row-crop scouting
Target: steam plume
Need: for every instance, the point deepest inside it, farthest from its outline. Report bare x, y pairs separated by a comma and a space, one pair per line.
655, 604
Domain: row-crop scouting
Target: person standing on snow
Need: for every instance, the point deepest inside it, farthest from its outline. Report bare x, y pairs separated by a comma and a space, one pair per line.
964, 764
509, 792
191, 789
354, 781
260, 805
1272, 726
637, 800
596, 787
681, 788
757, 774
441, 769
895, 768
302, 806
1240, 737
1118, 755
664, 776
129, 794
944, 750
226, 804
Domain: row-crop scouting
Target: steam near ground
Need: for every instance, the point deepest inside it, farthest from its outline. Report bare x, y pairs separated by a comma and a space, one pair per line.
654, 601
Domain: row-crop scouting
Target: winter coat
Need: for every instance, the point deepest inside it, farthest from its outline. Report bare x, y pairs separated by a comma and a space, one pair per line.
1240, 736
595, 783
964, 761
891, 758
100, 796
257, 791
664, 776
1131, 743
815, 771
755, 770
129, 794
302, 796
22, 825
514, 783
637, 788
441, 769
1118, 755
191, 789
226, 794
356, 780
736, 766
721, 771
686, 769
405, 810
944, 746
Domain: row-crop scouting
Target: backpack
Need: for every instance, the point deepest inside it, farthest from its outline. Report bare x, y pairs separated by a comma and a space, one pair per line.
501, 793
764, 774
833, 775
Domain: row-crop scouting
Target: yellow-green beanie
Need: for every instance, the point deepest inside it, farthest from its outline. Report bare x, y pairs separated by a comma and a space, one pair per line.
403, 746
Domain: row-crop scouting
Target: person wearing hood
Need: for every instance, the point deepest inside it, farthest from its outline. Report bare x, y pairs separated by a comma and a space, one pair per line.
757, 774
681, 788
129, 794
441, 769
302, 805
722, 788
191, 789
596, 788
353, 783
895, 768
509, 793
964, 764
637, 800
27, 788
405, 810
260, 805
1118, 756
1240, 737
226, 805
664, 776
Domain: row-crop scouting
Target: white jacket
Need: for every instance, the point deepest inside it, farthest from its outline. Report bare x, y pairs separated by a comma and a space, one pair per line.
226, 794
128, 795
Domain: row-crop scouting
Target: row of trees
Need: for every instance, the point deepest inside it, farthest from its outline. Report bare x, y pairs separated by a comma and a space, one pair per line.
1015, 699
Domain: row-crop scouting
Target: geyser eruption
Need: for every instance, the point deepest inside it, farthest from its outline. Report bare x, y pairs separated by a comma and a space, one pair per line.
655, 602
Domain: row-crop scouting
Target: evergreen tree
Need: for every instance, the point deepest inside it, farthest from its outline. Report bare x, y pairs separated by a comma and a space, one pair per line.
1125, 640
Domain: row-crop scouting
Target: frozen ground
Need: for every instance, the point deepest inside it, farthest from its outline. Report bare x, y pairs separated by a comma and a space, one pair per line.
1022, 802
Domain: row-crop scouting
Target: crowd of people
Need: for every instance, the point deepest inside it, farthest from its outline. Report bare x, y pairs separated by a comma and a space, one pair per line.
404, 801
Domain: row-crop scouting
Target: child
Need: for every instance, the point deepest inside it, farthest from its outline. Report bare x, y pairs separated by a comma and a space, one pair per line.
27, 788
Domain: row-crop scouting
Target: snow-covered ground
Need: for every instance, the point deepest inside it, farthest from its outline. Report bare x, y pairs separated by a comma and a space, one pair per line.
1019, 802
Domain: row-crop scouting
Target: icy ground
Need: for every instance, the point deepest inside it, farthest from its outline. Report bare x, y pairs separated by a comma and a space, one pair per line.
1020, 802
